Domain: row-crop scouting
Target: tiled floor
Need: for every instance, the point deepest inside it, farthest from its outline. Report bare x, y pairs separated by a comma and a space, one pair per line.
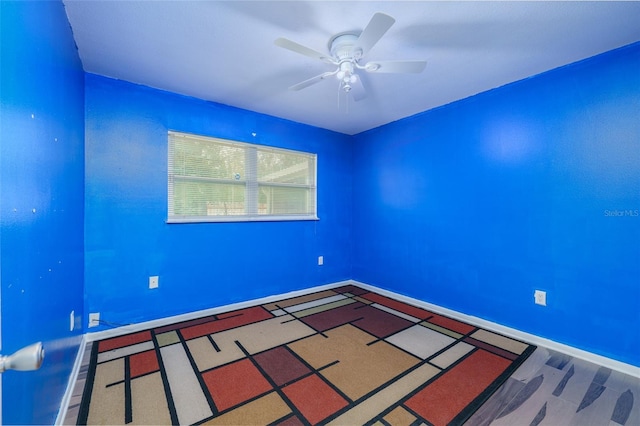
548, 388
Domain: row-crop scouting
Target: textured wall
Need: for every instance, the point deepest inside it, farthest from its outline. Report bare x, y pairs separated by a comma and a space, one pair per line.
41, 203
199, 265
534, 185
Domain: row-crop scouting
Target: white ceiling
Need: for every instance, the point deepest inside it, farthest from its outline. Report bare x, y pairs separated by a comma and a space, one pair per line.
223, 51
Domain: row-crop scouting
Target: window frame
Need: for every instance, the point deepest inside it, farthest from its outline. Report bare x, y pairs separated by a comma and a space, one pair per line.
250, 182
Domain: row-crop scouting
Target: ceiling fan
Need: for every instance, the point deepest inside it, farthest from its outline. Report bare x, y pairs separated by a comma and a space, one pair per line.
347, 50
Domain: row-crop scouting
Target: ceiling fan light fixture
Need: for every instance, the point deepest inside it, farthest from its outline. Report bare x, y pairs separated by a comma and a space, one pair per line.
345, 72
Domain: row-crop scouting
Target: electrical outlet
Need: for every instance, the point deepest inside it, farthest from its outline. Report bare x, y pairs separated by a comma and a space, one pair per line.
153, 281
72, 320
94, 319
540, 297
320, 260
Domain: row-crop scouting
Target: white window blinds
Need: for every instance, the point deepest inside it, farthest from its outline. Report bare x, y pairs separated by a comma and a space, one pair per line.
217, 180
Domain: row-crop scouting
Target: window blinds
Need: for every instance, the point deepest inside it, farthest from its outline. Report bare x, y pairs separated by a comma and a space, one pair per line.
213, 180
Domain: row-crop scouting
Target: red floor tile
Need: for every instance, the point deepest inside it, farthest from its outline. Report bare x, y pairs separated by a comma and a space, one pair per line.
314, 398
451, 324
398, 306
120, 342
235, 383
143, 363
443, 399
281, 365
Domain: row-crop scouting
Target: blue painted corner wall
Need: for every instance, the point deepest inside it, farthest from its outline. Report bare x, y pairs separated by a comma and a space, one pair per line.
199, 265
471, 206
41, 203
534, 185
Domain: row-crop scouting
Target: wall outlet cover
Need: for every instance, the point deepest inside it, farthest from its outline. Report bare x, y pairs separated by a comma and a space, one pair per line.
320, 260
540, 297
153, 281
94, 319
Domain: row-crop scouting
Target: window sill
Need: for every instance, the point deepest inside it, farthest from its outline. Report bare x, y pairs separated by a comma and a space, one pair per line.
226, 219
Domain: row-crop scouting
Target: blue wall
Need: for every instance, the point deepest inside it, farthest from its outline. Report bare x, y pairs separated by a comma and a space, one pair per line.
41, 203
473, 205
199, 265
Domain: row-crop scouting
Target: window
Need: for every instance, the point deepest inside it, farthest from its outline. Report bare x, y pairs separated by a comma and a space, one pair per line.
217, 180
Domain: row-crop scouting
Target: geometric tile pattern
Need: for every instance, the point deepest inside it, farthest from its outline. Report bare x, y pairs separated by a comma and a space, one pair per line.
340, 356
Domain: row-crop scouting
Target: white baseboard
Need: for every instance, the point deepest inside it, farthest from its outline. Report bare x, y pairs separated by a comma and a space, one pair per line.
105, 334
507, 331
66, 398
512, 332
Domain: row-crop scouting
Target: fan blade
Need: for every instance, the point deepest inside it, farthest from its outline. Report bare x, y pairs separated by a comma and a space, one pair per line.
357, 90
303, 50
375, 29
396, 66
312, 80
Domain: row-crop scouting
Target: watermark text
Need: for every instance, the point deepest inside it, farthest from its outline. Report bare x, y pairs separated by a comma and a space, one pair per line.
622, 213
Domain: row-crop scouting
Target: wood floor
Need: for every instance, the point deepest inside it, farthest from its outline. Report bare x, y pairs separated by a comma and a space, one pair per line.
550, 388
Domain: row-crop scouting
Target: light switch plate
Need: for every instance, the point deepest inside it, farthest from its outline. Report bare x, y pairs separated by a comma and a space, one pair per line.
540, 297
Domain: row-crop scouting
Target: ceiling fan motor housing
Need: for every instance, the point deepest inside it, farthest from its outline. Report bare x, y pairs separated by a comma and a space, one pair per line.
341, 47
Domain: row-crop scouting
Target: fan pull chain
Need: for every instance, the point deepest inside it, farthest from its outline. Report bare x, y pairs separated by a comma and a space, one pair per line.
346, 101
346, 98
